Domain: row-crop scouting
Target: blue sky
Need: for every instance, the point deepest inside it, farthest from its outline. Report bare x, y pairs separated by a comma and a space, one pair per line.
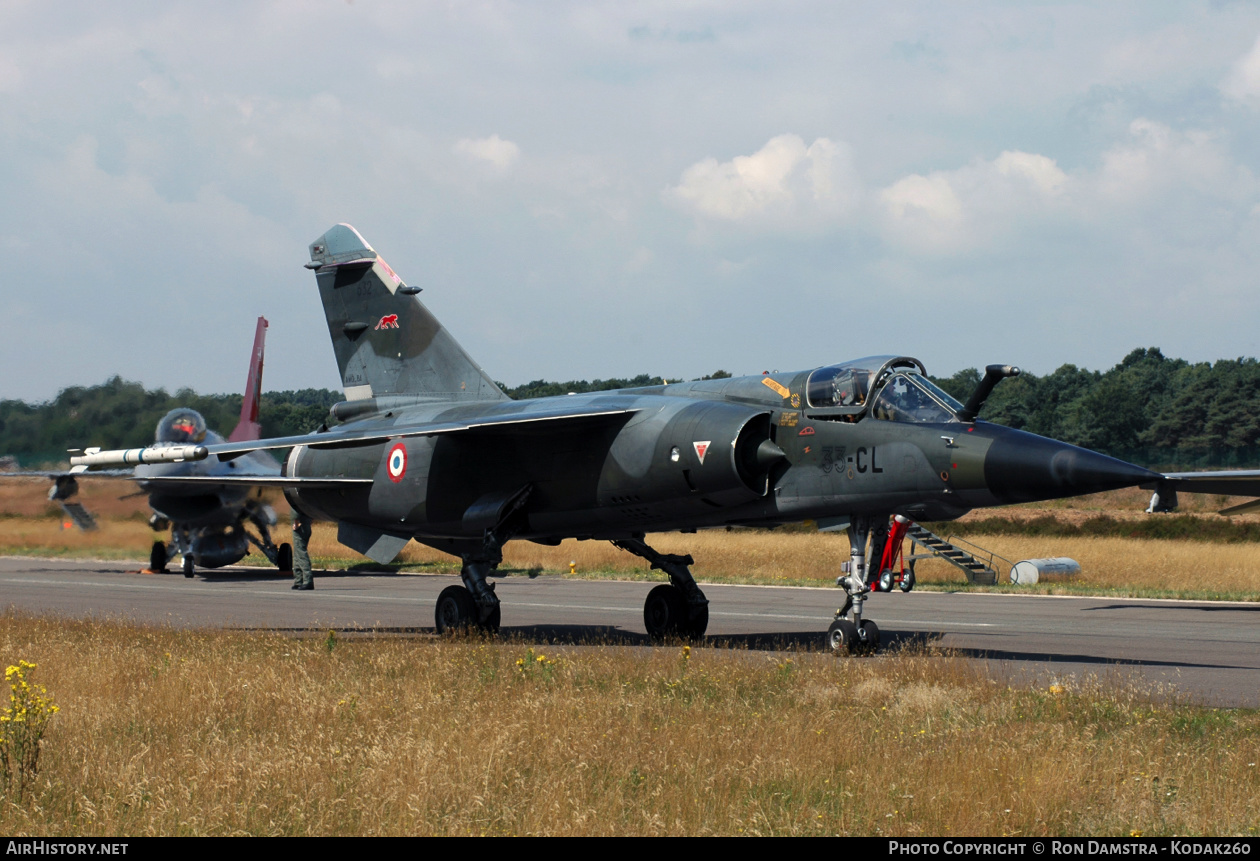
604, 189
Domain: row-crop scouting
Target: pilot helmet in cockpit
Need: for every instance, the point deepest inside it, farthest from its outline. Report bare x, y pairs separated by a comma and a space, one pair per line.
182, 426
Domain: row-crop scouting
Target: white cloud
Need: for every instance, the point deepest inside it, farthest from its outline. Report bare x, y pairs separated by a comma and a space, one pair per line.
960, 210
784, 179
1157, 160
494, 151
1243, 81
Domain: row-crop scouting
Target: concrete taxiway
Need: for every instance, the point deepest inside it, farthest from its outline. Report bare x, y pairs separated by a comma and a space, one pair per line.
1205, 652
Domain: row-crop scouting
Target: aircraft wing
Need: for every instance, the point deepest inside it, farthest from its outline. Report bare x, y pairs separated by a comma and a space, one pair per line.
1231, 482
209, 481
335, 438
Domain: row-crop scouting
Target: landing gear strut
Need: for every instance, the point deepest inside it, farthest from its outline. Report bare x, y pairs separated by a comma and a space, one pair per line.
264, 517
855, 635
474, 605
679, 609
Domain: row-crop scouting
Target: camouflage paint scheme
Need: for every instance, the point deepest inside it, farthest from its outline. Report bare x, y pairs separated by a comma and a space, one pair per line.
428, 448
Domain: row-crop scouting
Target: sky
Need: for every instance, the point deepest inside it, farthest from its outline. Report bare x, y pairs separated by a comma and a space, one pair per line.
602, 189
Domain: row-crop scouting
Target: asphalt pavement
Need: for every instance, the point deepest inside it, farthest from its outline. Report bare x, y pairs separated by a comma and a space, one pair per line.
1206, 652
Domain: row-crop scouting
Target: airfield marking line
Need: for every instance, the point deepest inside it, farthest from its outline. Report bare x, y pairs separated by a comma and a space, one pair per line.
140, 587
144, 587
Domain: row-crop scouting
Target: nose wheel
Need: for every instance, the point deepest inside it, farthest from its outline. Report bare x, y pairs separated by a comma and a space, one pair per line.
846, 638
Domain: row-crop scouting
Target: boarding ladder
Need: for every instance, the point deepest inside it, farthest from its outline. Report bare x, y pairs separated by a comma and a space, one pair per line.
980, 565
79, 515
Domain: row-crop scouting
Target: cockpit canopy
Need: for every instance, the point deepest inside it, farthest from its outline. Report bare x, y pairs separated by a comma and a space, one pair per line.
182, 426
891, 388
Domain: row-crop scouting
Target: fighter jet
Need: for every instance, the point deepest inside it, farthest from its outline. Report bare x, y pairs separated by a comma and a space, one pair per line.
429, 449
209, 518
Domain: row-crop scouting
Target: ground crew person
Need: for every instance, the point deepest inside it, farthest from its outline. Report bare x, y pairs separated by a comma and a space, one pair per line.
302, 577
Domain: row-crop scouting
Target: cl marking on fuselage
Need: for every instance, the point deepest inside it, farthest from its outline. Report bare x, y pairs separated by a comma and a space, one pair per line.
862, 467
389, 321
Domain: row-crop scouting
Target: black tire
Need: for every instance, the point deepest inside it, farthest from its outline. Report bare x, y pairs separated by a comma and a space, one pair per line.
455, 611
284, 558
491, 624
842, 637
188, 565
697, 621
157, 558
868, 638
665, 612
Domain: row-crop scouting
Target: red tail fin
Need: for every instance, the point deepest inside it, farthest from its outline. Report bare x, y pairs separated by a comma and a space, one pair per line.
248, 428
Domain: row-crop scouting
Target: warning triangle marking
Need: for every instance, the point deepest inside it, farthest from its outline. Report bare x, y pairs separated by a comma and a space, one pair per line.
701, 448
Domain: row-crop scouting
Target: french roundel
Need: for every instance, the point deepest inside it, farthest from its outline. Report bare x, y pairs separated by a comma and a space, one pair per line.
396, 466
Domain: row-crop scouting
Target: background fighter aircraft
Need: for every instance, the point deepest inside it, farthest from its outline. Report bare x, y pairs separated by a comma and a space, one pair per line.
209, 518
430, 449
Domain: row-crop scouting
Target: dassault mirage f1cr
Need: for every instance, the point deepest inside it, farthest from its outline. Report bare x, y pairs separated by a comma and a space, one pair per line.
430, 449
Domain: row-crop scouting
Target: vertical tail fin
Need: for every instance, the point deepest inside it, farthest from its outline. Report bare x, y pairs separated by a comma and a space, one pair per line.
248, 427
386, 341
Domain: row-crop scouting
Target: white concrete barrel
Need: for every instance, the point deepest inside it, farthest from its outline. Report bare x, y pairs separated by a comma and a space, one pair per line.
1029, 571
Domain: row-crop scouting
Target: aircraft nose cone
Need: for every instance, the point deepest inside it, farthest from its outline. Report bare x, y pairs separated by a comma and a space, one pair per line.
1024, 467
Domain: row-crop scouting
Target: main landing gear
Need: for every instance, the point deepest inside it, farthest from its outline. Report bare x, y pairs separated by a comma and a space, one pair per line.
855, 635
264, 517
676, 609
474, 606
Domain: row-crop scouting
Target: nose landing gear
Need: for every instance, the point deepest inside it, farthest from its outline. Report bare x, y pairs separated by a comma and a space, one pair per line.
855, 635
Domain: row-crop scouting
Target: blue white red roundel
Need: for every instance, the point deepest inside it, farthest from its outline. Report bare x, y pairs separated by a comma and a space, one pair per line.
396, 466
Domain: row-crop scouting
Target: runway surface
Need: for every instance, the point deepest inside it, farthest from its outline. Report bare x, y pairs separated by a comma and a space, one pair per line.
1207, 652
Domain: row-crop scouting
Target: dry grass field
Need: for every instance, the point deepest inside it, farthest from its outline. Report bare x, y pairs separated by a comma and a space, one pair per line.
179, 733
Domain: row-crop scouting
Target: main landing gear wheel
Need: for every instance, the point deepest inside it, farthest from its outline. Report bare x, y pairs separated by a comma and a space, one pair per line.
663, 611
666, 613
842, 637
187, 565
456, 612
157, 558
491, 624
697, 621
284, 558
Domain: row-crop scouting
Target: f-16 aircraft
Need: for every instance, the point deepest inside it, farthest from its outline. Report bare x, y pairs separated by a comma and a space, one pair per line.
207, 512
429, 449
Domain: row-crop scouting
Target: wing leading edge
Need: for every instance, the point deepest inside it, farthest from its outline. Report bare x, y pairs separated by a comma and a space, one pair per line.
509, 422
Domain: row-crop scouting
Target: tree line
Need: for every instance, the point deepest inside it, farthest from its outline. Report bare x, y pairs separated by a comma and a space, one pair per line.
1149, 409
